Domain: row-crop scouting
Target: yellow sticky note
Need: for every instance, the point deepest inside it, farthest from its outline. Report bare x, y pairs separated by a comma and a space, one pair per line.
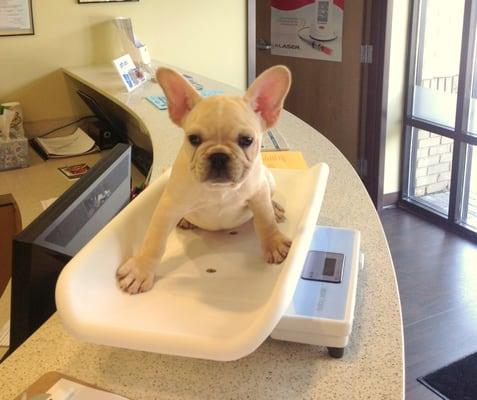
284, 159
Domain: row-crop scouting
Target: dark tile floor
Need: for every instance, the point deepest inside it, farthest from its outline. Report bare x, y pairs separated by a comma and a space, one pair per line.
437, 277
440, 202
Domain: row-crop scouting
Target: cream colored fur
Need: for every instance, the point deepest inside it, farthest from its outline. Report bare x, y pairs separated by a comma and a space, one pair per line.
215, 195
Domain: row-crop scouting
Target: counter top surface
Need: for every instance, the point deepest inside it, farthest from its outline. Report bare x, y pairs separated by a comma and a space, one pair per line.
373, 364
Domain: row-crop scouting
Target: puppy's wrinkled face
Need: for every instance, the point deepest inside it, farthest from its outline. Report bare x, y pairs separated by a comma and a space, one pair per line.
223, 133
222, 140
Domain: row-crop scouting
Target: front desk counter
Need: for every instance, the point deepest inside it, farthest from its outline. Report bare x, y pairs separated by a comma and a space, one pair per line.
372, 367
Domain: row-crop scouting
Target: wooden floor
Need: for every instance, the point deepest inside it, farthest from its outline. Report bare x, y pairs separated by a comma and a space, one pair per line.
437, 276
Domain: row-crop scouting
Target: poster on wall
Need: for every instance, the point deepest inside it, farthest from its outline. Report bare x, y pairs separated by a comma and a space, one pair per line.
307, 28
16, 18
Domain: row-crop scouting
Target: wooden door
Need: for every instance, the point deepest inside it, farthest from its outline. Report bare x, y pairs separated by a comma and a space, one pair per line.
324, 94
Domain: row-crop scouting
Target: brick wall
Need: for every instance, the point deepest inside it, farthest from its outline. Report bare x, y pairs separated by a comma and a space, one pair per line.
433, 163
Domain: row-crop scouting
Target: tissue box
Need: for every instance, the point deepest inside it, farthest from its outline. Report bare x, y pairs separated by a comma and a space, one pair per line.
14, 153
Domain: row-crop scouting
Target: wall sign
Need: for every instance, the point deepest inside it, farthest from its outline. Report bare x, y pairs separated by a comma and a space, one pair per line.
16, 18
307, 28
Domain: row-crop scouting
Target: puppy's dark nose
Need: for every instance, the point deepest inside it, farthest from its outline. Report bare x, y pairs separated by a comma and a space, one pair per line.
218, 161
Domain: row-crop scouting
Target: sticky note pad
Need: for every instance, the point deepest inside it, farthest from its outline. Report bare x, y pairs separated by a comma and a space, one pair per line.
284, 159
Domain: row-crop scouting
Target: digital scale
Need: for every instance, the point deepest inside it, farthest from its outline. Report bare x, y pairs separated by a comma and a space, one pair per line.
322, 309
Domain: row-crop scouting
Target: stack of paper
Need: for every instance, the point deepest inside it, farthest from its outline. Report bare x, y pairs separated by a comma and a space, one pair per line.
78, 143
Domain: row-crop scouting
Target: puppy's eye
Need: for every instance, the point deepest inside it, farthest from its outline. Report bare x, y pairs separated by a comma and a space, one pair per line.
194, 140
245, 141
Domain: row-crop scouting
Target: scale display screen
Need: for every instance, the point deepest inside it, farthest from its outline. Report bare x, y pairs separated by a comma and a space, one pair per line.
323, 266
329, 268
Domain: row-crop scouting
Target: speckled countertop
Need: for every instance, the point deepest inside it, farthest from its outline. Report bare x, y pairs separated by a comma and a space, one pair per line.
373, 364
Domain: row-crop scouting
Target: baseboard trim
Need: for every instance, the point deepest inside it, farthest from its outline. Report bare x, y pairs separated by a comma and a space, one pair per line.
391, 199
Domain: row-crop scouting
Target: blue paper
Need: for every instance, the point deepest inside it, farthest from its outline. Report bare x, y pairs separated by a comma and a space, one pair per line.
207, 93
161, 102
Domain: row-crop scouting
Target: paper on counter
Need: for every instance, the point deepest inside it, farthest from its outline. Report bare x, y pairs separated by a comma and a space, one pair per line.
75, 144
65, 389
284, 159
47, 203
5, 335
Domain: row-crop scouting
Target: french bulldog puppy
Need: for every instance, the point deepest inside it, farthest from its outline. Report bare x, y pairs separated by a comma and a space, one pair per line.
218, 180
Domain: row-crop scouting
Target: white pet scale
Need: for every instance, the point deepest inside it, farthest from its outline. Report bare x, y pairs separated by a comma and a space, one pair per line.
322, 309
215, 298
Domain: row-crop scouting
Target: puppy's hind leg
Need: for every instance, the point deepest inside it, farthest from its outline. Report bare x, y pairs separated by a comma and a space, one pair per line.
277, 208
184, 224
275, 245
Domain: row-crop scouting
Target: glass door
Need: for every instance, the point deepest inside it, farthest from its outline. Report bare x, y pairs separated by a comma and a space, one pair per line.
469, 199
439, 166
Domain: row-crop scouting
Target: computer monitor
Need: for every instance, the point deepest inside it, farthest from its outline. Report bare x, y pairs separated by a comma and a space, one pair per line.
115, 128
141, 158
46, 245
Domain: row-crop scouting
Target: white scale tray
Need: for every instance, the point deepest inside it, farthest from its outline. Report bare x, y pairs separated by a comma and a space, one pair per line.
222, 315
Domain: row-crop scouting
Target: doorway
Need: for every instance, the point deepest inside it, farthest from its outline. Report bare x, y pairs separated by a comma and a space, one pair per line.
345, 101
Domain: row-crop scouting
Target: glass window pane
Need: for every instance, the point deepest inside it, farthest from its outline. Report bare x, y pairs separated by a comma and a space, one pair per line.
473, 96
431, 166
438, 59
469, 197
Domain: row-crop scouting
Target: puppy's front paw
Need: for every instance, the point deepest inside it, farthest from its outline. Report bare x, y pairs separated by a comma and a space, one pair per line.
276, 248
135, 276
279, 211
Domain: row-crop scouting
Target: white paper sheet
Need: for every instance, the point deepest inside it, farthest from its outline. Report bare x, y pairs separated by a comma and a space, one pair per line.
5, 335
77, 143
65, 389
47, 203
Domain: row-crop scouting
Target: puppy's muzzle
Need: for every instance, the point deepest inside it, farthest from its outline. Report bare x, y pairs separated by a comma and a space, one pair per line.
219, 166
218, 161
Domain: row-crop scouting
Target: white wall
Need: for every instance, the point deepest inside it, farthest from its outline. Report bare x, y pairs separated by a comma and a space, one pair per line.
396, 93
207, 36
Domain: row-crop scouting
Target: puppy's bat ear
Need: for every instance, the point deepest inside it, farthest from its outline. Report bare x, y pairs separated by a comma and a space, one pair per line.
267, 93
181, 96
